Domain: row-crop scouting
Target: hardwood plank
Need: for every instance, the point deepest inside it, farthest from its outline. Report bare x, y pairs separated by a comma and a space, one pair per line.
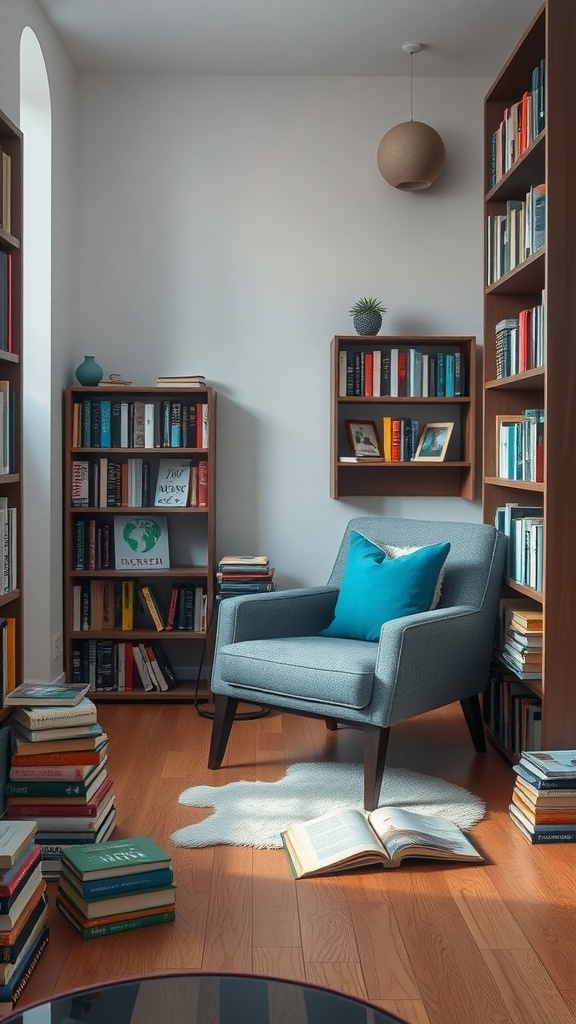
325, 922
279, 961
526, 988
410, 1010
489, 920
344, 976
275, 905
228, 936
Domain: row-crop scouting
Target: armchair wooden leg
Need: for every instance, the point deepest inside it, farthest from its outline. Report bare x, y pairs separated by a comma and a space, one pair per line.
332, 724
473, 715
224, 711
375, 747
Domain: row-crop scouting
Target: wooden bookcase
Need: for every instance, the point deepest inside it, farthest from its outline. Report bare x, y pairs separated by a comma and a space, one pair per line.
11, 598
90, 645
452, 476
545, 277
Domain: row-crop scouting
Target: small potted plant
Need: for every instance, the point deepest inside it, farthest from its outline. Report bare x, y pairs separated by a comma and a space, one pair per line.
367, 315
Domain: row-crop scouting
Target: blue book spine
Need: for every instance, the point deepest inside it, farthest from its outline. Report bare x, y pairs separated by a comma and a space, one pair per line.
105, 424
97, 887
450, 371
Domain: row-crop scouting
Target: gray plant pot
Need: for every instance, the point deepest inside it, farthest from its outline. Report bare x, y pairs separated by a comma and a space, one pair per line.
367, 323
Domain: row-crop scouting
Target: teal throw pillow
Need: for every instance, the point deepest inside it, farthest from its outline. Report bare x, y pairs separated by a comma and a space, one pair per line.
376, 588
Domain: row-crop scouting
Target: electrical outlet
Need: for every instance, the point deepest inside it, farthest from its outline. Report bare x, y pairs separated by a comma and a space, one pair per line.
57, 646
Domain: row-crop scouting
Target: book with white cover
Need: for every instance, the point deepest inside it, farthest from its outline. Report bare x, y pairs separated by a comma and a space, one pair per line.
173, 483
37, 718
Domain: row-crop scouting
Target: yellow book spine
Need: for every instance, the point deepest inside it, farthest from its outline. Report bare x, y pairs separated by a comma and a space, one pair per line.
387, 438
127, 604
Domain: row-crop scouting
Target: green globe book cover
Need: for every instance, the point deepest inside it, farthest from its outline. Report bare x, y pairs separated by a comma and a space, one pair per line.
141, 542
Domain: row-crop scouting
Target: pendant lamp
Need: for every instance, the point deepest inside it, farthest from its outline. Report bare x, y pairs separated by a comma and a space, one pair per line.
411, 155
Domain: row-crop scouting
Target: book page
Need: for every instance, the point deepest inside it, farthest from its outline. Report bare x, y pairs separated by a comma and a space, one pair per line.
332, 838
400, 831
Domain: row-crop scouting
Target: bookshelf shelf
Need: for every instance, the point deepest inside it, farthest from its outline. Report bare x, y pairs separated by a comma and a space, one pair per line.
546, 278
11, 381
414, 402
120, 479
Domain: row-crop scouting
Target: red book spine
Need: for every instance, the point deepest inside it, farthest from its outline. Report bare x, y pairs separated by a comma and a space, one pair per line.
523, 339
25, 869
203, 484
172, 608
368, 374
396, 440
402, 373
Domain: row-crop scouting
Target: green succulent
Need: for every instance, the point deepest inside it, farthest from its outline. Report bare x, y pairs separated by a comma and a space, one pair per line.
367, 305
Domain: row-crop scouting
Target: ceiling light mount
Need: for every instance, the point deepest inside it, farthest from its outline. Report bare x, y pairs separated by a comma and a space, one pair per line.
411, 155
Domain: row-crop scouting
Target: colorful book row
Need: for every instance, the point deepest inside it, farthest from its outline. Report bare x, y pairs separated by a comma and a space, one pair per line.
122, 666
126, 604
113, 423
108, 483
401, 373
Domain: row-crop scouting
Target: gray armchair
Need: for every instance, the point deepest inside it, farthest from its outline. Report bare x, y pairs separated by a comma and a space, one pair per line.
268, 650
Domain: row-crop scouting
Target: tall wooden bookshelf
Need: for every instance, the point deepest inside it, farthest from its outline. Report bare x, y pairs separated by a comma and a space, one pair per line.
111, 464
355, 400
11, 598
544, 277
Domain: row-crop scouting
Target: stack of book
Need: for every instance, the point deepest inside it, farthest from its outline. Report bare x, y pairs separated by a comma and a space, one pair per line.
58, 770
243, 574
116, 887
522, 649
543, 803
23, 909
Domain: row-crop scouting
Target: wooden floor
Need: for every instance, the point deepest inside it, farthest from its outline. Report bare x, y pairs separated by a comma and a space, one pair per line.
435, 944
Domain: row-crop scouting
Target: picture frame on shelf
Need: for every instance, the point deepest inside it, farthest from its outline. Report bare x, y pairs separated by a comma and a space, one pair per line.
433, 443
364, 439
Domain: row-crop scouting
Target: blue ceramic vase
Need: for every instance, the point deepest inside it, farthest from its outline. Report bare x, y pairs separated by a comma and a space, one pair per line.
89, 373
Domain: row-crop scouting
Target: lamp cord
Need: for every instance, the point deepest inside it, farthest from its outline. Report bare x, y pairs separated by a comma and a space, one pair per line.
242, 716
411, 88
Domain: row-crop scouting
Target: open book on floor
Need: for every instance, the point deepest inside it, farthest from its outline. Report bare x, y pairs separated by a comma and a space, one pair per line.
339, 841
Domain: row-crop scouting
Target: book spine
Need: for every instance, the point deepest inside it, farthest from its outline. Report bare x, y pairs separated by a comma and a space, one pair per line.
64, 788
48, 773
12, 995
203, 483
122, 925
128, 883
47, 719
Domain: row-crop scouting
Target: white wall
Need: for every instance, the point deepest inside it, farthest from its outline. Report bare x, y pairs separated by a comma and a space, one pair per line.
227, 225
43, 576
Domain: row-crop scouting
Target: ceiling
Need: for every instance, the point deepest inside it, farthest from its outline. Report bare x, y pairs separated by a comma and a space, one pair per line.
289, 37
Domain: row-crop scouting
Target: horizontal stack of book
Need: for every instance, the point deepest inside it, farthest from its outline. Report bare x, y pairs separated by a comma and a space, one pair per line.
522, 650
116, 887
58, 770
543, 803
243, 574
23, 909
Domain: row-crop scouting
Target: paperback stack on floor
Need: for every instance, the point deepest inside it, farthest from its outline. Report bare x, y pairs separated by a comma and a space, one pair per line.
23, 909
544, 797
58, 773
116, 887
243, 574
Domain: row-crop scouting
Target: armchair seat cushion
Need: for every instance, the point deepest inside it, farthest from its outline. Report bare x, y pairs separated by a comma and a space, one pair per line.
322, 670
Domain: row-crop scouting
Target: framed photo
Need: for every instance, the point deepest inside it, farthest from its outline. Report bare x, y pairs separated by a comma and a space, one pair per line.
363, 436
433, 443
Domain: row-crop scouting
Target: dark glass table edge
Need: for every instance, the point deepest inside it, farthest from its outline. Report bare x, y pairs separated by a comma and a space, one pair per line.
243, 999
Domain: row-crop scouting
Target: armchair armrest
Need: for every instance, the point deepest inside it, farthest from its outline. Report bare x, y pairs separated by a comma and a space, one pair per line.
429, 660
300, 612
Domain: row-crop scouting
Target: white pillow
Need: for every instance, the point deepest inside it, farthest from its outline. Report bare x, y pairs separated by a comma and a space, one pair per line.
393, 551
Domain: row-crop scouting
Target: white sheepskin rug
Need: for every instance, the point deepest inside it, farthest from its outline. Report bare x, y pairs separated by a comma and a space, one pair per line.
255, 813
